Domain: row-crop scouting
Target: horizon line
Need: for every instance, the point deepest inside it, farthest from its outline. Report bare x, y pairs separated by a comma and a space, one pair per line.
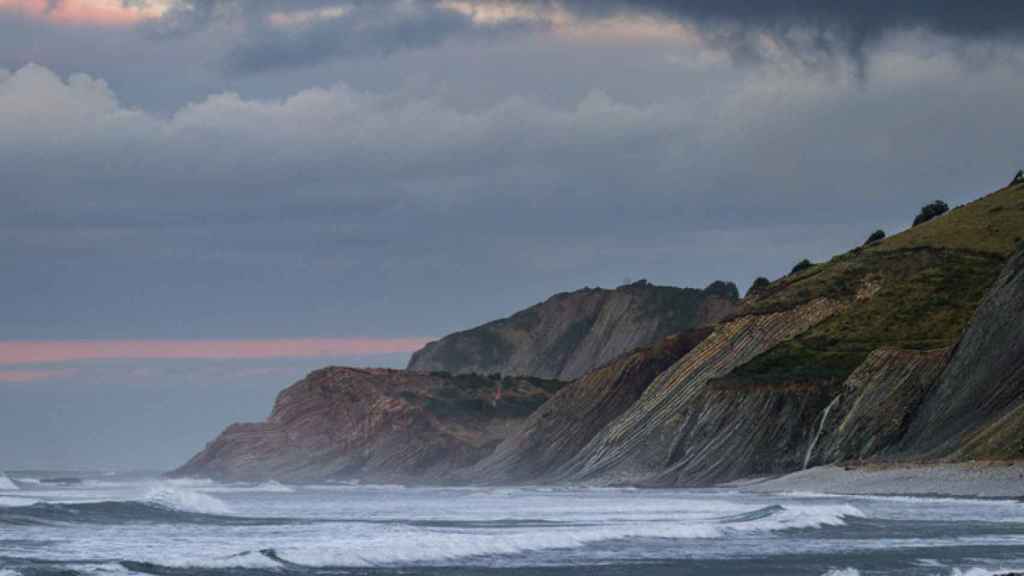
16, 352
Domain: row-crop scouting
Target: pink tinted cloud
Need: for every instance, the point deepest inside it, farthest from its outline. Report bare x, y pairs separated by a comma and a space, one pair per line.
88, 12
32, 375
47, 351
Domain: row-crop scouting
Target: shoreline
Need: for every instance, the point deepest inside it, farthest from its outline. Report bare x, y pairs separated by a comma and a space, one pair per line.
980, 480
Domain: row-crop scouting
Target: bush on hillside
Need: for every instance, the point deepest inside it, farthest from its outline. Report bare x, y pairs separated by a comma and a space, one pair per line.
930, 211
760, 284
801, 266
876, 236
723, 289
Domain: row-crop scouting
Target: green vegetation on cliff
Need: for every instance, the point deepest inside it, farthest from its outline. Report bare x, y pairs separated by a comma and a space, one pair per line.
915, 290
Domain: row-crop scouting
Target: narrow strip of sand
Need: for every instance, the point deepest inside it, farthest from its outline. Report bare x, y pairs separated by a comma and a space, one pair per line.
972, 479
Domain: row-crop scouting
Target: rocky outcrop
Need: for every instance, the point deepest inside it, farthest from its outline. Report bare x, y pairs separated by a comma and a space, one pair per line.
563, 426
572, 333
683, 430
878, 401
376, 424
909, 348
976, 408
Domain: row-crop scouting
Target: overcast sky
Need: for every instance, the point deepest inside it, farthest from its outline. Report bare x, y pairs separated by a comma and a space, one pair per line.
307, 182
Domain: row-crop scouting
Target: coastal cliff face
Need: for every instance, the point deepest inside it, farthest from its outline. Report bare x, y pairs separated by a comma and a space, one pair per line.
976, 408
830, 364
680, 423
910, 348
376, 424
560, 429
572, 333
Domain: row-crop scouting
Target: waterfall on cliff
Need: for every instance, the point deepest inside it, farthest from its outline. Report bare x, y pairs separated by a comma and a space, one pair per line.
821, 427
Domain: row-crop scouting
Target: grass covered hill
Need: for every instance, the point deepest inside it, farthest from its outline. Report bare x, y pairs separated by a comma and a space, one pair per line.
915, 290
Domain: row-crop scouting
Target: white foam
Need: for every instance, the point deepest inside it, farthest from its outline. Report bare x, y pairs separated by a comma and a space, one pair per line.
16, 501
6, 484
182, 500
842, 572
410, 545
273, 486
8, 572
983, 571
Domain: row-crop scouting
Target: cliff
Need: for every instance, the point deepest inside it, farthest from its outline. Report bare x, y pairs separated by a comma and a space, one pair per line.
838, 362
562, 426
572, 333
907, 349
976, 407
377, 425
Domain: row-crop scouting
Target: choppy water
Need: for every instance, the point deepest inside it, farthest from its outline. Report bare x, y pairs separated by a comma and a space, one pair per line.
111, 525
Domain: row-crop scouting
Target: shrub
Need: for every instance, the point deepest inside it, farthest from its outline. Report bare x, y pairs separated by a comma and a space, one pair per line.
759, 285
801, 266
929, 211
723, 289
876, 236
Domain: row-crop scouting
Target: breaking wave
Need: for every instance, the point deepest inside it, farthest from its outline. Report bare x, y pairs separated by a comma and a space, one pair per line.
6, 484
181, 500
272, 486
163, 504
411, 545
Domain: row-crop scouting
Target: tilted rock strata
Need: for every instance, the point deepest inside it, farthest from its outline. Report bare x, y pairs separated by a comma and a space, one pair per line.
572, 333
876, 406
976, 409
563, 426
679, 424
374, 424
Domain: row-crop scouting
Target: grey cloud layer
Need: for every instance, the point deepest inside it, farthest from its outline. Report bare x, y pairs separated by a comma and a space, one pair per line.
812, 30
831, 24
336, 211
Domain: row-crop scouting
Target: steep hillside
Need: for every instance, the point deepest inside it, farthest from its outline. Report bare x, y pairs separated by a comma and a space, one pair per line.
376, 424
700, 432
573, 333
976, 409
829, 363
562, 426
909, 348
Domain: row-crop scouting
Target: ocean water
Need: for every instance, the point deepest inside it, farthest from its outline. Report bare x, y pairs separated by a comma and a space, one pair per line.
138, 525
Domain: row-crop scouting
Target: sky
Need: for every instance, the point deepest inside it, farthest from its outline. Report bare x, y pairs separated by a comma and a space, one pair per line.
203, 200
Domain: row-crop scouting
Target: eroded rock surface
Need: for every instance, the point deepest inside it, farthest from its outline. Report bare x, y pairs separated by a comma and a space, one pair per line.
564, 425
682, 430
572, 333
373, 424
976, 409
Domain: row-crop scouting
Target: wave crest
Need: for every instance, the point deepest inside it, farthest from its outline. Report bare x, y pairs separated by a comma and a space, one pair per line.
181, 500
6, 484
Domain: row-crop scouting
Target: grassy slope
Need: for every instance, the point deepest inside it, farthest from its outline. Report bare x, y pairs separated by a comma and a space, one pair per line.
924, 285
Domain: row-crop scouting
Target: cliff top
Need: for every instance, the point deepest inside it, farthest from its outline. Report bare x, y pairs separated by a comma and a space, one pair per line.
914, 290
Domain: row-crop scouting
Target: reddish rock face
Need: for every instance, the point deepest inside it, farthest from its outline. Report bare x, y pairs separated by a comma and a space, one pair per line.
373, 424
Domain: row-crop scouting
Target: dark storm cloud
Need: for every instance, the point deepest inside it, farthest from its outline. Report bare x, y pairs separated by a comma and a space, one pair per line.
813, 31
856, 22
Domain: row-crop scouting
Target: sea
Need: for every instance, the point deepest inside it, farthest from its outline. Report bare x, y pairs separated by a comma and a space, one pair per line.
111, 524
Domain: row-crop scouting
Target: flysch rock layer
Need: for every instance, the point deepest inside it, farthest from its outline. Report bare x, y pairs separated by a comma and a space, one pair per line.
573, 333
374, 425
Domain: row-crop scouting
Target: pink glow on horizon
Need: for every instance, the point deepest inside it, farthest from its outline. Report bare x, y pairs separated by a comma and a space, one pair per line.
48, 351
89, 12
32, 375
